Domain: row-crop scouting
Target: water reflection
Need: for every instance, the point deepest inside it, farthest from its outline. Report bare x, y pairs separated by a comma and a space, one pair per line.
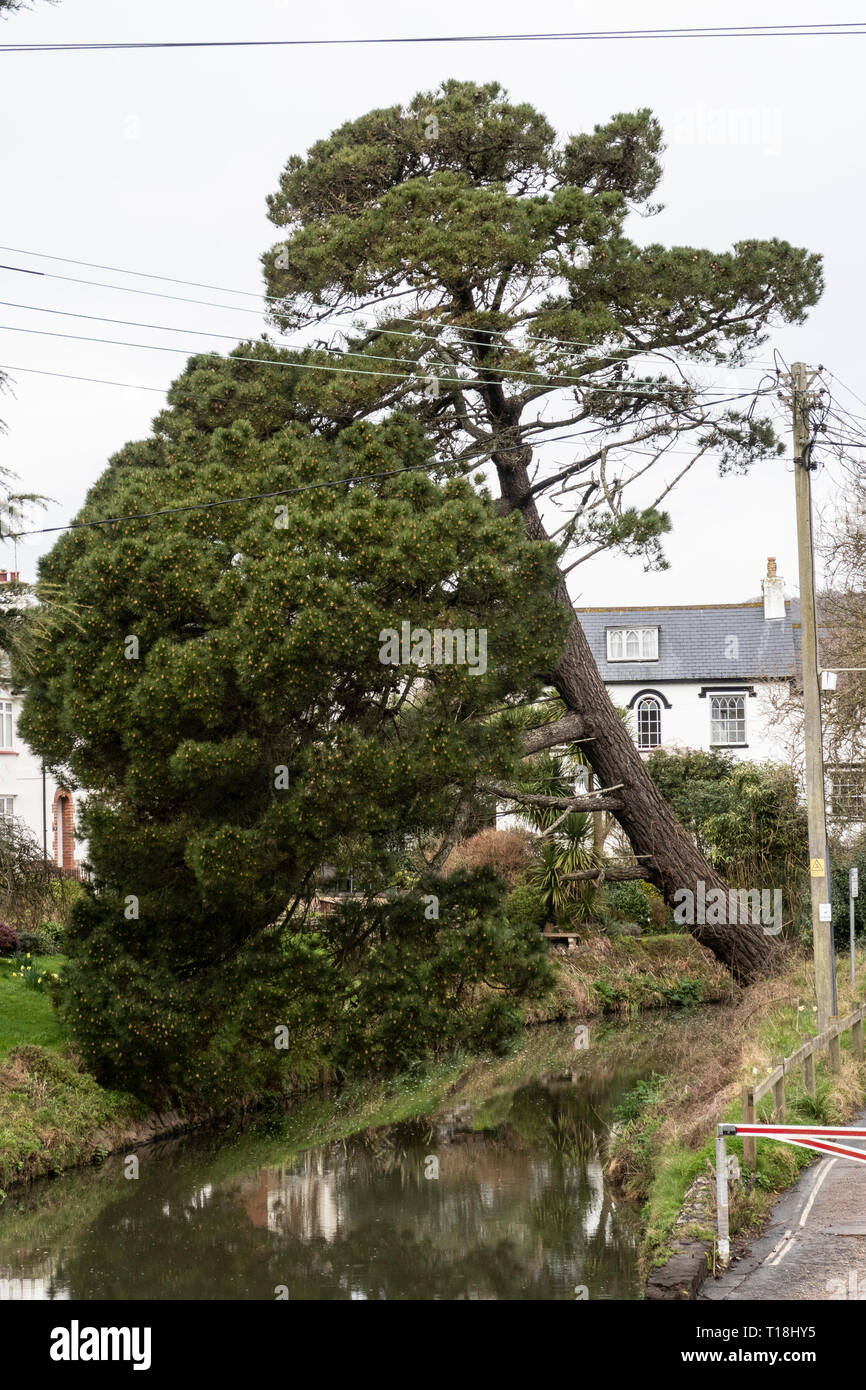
498, 1198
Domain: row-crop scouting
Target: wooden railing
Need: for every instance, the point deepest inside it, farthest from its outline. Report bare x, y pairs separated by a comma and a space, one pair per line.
804, 1057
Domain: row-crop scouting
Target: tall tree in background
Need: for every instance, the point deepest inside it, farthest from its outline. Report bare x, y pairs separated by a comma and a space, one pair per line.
477, 271
842, 642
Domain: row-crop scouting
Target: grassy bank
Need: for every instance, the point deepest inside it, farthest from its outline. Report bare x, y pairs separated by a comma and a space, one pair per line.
662, 1149
625, 975
26, 1015
53, 1115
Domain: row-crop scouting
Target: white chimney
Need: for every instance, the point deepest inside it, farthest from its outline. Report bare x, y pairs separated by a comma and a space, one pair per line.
774, 593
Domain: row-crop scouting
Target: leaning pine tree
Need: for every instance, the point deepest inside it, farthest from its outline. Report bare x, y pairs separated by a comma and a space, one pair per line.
222, 696
482, 276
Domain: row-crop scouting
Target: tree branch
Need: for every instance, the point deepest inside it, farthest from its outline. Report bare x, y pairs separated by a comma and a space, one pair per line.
617, 873
565, 730
596, 801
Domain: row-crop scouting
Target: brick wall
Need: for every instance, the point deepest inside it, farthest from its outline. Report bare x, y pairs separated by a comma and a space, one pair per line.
64, 820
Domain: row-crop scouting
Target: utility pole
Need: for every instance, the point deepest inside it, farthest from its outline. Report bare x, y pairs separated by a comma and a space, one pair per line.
819, 865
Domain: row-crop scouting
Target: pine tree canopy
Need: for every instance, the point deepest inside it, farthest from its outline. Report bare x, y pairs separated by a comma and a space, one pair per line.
223, 697
460, 240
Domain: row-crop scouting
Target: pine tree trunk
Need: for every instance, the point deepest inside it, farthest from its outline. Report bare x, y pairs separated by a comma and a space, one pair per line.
673, 861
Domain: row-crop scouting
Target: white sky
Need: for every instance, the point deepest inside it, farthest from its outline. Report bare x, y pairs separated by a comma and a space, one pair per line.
160, 161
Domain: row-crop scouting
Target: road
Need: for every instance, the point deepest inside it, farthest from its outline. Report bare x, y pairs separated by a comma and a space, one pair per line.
815, 1244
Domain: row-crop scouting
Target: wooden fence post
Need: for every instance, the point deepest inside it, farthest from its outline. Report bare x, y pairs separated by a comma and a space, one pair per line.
750, 1143
779, 1103
809, 1073
857, 1039
835, 1049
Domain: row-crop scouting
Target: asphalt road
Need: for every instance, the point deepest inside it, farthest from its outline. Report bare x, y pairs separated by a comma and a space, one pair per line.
815, 1245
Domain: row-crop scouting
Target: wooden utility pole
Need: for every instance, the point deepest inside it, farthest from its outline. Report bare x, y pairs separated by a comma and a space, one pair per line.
819, 865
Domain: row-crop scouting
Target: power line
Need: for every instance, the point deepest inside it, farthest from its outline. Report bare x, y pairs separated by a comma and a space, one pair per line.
555, 379
116, 269
133, 289
279, 299
473, 462
221, 502
477, 459
848, 389
779, 30
232, 337
96, 380
720, 392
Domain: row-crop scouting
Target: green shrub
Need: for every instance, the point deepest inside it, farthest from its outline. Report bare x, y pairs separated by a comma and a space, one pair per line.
634, 1102
525, 904
685, 992
370, 987
629, 902
52, 936
65, 893
430, 983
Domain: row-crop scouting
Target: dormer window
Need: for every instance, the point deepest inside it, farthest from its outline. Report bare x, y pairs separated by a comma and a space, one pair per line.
632, 644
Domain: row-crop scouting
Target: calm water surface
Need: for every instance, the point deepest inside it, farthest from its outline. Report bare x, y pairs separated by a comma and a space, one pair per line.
498, 1194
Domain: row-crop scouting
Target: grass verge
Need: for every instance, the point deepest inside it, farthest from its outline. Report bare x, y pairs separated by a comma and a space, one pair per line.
658, 1152
27, 1015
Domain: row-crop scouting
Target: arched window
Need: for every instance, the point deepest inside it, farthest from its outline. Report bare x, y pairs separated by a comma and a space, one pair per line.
632, 643
649, 722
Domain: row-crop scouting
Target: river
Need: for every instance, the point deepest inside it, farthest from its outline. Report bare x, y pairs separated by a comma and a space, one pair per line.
493, 1190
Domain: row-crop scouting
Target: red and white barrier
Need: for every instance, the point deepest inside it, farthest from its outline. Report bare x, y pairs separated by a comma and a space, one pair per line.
805, 1137
816, 1137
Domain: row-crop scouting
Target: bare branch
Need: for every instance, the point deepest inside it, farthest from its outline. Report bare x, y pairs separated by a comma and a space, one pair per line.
596, 801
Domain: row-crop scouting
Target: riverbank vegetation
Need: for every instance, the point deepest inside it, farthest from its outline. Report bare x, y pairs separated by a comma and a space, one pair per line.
54, 1114
661, 1152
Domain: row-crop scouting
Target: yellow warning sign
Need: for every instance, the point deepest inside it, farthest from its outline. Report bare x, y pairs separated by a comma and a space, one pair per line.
816, 868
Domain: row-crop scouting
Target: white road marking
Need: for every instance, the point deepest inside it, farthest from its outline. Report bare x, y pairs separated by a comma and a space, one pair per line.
783, 1252
815, 1190
777, 1246
788, 1239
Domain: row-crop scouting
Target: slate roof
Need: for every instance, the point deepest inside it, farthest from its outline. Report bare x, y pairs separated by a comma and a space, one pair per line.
693, 640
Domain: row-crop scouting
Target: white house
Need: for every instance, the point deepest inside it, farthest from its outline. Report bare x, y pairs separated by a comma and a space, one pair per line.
27, 793
701, 676
714, 677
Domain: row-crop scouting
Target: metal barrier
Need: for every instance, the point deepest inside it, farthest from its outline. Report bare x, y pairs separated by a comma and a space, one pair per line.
803, 1136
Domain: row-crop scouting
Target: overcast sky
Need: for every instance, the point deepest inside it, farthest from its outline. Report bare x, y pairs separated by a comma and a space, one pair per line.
160, 161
